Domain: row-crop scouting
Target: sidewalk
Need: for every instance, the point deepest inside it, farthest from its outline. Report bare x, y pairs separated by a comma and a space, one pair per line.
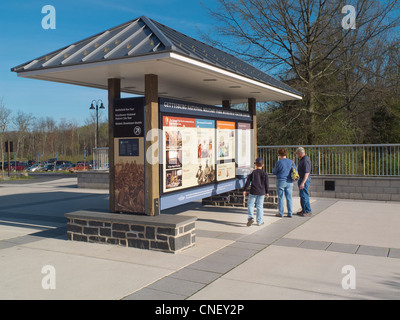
298, 258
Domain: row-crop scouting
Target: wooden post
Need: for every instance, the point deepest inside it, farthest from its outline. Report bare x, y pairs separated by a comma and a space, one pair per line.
152, 152
226, 104
114, 92
253, 110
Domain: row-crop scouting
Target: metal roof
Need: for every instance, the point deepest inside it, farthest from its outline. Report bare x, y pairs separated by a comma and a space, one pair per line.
142, 37
209, 54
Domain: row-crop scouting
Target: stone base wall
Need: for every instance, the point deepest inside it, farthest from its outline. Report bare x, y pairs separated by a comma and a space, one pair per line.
236, 199
356, 188
162, 233
93, 179
346, 187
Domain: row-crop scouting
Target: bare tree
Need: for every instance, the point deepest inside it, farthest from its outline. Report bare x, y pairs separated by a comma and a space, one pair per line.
304, 42
5, 119
22, 121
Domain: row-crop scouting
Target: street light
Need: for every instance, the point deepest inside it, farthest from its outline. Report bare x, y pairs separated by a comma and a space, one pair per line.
92, 107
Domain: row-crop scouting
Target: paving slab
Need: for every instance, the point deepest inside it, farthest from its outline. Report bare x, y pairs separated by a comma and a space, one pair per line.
343, 247
394, 253
194, 275
151, 294
176, 286
373, 251
286, 242
315, 245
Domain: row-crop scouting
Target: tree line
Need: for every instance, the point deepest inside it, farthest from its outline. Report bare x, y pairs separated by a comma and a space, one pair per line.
350, 78
45, 136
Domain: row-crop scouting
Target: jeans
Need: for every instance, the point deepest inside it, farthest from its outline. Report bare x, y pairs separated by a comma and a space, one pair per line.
305, 196
284, 188
259, 201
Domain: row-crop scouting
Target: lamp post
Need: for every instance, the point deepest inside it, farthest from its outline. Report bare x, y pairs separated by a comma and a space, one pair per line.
92, 107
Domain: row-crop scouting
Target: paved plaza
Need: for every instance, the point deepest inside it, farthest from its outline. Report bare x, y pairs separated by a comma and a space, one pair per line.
298, 258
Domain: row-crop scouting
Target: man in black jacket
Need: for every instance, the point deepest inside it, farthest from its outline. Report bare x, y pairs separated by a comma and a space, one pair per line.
304, 168
258, 190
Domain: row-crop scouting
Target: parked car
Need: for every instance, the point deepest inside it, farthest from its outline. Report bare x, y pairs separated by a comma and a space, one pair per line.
49, 167
62, 162
35, 168
64, 167
78, 167
17, 166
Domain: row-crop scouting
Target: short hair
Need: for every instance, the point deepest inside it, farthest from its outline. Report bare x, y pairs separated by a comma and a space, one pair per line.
300, 150
259, 162
282, 152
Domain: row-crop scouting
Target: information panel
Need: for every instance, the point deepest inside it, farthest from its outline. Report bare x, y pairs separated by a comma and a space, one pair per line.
188, 157
243, 158
129, 118
225, 150
129, 155
199, 150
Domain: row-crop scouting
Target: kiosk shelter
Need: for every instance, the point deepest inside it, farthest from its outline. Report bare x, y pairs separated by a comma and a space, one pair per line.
172, 145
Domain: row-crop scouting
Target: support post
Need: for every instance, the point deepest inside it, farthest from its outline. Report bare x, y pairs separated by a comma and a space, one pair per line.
226, 104
152, 141
114, 92
252, 109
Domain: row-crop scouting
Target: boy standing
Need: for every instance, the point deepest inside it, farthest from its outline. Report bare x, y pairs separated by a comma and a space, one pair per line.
259, 189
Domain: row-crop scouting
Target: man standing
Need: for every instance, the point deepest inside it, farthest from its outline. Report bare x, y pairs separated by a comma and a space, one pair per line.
304, 169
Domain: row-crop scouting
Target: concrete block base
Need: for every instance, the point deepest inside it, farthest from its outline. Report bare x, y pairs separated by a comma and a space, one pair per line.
235, 198
168, 233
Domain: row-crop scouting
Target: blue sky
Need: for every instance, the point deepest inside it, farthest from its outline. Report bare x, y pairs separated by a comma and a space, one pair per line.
22, 39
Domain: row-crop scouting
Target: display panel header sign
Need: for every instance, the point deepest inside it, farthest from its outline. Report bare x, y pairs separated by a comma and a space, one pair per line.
201, 110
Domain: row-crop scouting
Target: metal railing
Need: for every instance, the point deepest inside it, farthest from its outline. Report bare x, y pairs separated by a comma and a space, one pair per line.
347, 160
100, 159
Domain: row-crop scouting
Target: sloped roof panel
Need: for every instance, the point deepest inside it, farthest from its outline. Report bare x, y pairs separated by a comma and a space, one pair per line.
217, 57
144, 36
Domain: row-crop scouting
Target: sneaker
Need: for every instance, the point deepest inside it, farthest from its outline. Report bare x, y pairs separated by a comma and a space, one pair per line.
305, 214
260, 224
250, 222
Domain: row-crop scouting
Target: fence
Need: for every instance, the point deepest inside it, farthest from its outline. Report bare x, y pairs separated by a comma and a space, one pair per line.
347, 160
100, 159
